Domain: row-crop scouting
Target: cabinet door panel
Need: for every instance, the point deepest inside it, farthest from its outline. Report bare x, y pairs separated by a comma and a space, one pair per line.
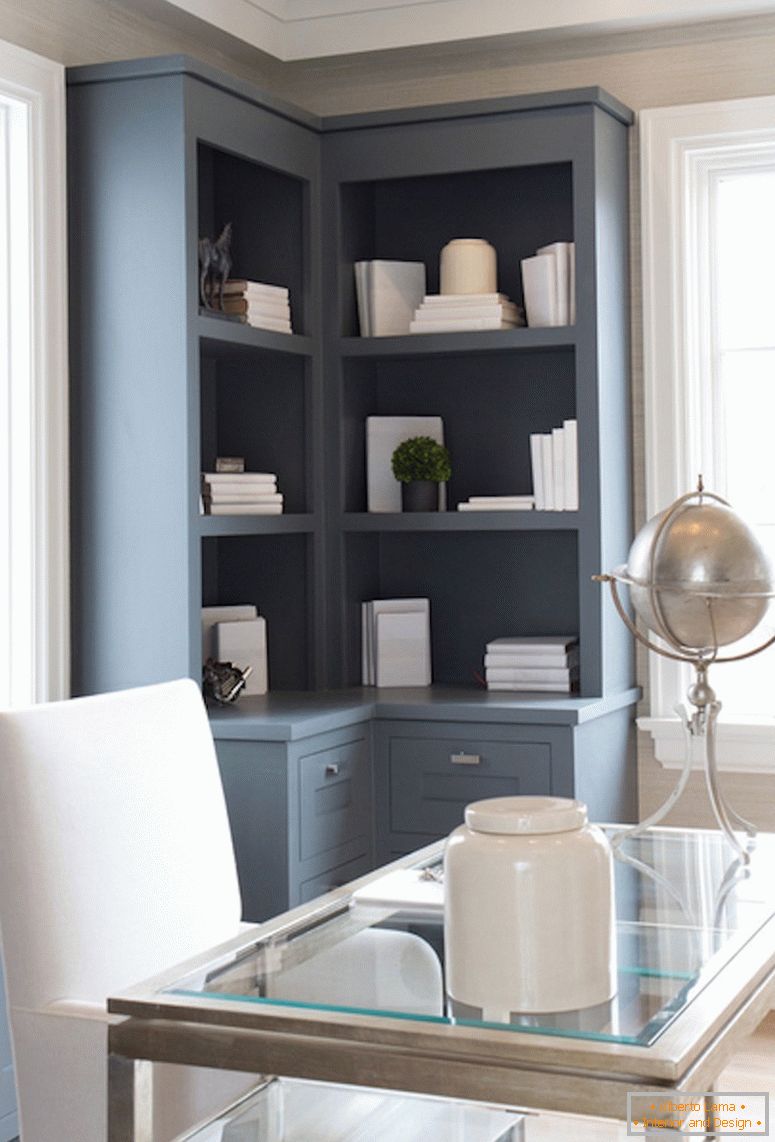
432, 780
335, 798
333, 878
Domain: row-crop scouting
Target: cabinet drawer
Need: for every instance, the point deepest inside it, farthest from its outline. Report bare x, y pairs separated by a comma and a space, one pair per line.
433, 779
333, 878
334, 798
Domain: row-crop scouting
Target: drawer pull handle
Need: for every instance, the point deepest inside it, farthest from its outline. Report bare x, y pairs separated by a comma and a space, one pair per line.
465, 758
332, 770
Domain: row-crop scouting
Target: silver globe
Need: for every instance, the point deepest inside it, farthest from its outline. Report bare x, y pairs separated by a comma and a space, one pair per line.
698, 575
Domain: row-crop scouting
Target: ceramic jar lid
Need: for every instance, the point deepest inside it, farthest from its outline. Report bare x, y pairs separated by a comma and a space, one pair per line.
526, 815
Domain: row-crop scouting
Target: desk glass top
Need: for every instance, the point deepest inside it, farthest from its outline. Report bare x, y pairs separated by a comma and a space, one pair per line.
685, 907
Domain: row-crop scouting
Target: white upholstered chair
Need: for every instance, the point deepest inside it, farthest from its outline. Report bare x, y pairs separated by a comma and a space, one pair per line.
116, 863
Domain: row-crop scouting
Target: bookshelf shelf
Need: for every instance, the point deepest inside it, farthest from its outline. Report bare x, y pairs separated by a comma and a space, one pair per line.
220, 338
453, 521
286, 524
444, 344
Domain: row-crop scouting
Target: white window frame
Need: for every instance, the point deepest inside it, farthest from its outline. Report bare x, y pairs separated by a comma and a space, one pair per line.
683, 151
34, 569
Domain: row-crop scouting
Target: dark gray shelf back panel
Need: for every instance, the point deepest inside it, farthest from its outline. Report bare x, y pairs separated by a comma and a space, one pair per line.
411, 219
273, 572
489, 406
259, 409
482, 585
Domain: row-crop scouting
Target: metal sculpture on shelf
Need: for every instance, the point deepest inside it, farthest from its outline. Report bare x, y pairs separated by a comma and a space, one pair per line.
223, 682
214, 268
698, 579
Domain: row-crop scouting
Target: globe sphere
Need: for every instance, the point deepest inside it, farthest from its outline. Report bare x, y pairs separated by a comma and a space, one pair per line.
698, 575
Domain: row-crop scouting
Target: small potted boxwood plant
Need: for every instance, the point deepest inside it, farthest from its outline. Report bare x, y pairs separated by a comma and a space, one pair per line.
421, 464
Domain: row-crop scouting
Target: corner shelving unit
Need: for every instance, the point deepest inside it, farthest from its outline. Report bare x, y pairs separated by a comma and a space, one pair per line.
164, 151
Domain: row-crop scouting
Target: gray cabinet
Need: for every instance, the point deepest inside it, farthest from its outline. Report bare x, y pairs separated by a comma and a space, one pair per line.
426, 772
163, 151
300, 814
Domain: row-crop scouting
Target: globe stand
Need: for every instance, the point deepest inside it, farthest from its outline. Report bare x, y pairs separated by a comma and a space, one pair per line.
723, 611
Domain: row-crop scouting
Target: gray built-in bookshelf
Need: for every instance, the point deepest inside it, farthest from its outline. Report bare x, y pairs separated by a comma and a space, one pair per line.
163, 151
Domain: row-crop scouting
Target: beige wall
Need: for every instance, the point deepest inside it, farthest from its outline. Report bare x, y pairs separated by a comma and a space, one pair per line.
724, 60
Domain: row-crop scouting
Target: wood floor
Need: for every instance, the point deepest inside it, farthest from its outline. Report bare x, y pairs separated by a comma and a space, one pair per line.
752, 1069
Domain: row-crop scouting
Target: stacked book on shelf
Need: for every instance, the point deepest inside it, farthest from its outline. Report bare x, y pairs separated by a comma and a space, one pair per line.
257, 304
387, 294
457, 312
549, 285
241, 493
497, 504
554, 460
548, 663
396, 642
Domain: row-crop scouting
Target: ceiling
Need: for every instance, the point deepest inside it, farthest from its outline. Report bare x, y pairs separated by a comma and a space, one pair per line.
308, 29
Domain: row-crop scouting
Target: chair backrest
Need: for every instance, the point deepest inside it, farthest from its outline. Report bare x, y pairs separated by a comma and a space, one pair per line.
116, 858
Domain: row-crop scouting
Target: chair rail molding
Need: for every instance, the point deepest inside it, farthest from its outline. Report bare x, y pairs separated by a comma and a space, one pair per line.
684, 151
34, 576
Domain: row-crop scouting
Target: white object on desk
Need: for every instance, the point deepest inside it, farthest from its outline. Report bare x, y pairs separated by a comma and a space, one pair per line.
243, 643
529, 915
407, 889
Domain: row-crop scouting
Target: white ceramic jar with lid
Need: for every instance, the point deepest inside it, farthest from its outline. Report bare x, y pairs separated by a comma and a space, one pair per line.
529, 908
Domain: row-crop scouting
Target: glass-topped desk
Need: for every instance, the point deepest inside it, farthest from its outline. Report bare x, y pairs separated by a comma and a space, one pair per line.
350, 989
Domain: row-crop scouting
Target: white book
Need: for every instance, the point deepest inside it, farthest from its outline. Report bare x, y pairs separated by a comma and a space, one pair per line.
383, 435
464, 299
269, 323
558, 468
362, 297
367, 650
244, 509
537, 469
547, 467
494, 507
539, 289
217, 479
572, 283
528, 501
543, 687
370, 612
560, 251
279, 311
212, 615
395, 289
246, 288
402, 648
244, 644
532, 644
243, 498
570, 430
532, 661
467, 312
461, 325
525, 674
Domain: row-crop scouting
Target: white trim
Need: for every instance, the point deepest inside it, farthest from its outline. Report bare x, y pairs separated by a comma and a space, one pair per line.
684, 150
746, 747
35, 86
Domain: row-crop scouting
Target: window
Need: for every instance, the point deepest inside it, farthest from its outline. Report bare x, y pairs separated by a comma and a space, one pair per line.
708, 182
34, 618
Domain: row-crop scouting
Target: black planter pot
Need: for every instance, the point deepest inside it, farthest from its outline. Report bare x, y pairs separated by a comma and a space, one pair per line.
420, 496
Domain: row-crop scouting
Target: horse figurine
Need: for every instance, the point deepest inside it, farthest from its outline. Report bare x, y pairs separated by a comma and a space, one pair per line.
214, 267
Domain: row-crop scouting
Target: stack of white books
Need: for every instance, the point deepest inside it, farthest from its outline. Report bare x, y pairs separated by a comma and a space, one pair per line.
554, 460
497, 504
387, 294
457, 312
396, 642
241, 493
541, 662
549, 285
255, 303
